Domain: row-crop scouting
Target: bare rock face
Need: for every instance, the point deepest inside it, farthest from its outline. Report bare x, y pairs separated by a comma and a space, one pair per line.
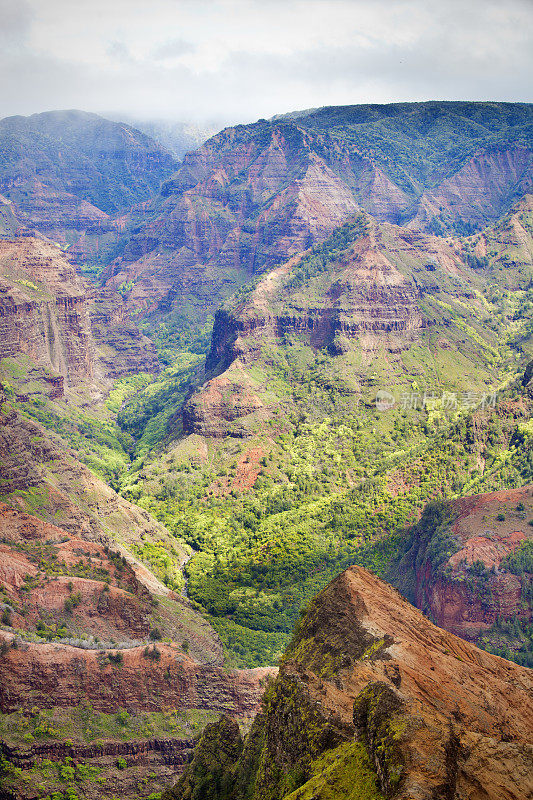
78, 334
44, 310
58, 675
201, 229
469, 583
120, 346
89, 586
372, 697
484, 188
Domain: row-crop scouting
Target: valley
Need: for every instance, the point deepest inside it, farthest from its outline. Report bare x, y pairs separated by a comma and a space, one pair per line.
300, 358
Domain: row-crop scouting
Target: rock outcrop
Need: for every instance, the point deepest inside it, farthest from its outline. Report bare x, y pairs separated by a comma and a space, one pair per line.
52, 675
69, 582
44, 310
459, 568
484, 188
150, 763
373, 700
77, 334
253, 196
370, 298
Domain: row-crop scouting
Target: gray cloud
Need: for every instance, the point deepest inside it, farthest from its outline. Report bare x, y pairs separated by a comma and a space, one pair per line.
172, 49
119, 51
237, 60
15, 20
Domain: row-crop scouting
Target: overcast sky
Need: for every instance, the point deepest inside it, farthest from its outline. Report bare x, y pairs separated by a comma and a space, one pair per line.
229, 61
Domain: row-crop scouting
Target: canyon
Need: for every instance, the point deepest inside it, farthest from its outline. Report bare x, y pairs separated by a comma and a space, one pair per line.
252, 196
171, 510
376, 297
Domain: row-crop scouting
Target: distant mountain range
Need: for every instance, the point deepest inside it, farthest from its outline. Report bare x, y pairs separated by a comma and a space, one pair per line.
254, 195
63, 171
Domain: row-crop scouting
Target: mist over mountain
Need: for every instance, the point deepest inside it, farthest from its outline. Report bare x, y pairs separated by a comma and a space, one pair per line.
63, 170
177, 137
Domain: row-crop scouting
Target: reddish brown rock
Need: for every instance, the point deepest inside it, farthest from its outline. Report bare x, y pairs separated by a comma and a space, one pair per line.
438, 718
370, 300
487, 185
49, 675
75, 333
473, 588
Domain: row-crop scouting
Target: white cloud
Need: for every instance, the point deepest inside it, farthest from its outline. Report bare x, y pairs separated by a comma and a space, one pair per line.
237, 60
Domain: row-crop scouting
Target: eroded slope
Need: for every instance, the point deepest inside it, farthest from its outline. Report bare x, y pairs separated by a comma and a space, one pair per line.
372, 682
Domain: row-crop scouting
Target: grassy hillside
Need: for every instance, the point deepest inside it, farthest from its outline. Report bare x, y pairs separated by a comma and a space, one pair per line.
323, 478
420, 144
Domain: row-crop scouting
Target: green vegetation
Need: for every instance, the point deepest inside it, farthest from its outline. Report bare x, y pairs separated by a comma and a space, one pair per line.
324, 255
511, 639
85, 725
261, 555
148, 414
521, 561
99, 443
338, 481
420, 144
343, 772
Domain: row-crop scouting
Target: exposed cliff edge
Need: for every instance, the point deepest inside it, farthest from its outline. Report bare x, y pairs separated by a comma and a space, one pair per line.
84, 677
76, 333
373, 698
467, 565
381, 302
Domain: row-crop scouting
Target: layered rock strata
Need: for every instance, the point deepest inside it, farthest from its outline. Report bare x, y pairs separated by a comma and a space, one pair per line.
51, 316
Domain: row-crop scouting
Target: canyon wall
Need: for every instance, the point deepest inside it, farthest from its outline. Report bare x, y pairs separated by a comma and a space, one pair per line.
48, 314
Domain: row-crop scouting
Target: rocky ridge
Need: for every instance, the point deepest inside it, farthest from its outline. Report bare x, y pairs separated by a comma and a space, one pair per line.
374, 297
253, 196
57, 675
373, 698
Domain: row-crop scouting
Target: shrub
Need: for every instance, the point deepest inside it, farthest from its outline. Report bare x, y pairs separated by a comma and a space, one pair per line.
71, 602
123, 717
154, 654
6, 616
